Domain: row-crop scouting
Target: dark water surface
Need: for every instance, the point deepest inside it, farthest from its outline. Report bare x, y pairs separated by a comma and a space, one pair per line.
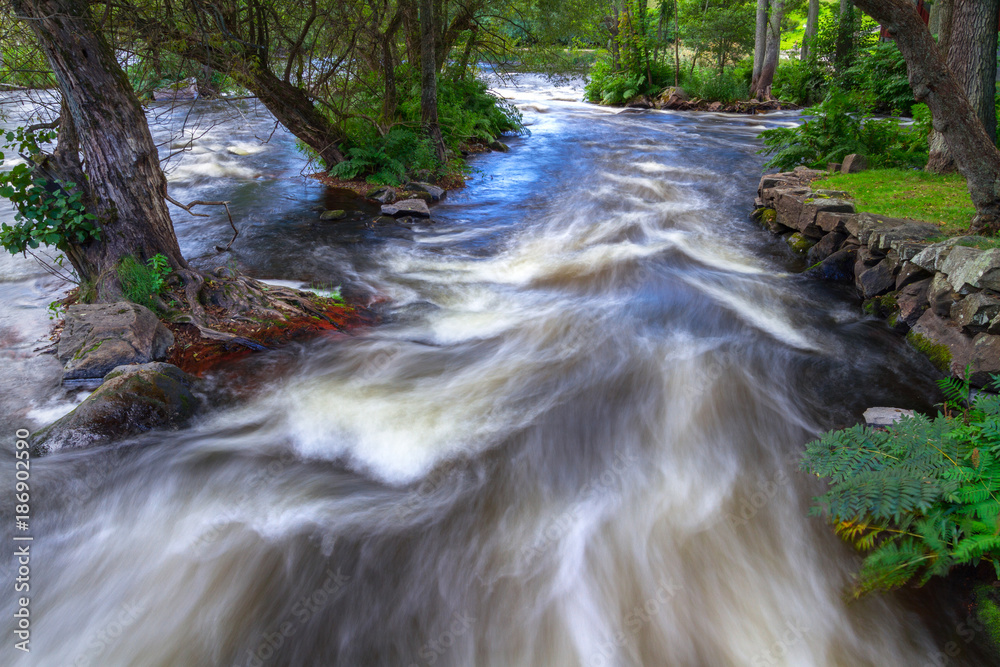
574, 440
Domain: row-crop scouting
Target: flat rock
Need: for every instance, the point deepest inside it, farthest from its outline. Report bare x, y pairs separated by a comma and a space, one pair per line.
831, 221
883, 417
132, 400
407, 207
100, 337
881, 231
338, 214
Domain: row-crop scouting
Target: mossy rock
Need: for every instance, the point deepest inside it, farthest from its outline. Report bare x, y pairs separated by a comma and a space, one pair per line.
799, 242
938, 353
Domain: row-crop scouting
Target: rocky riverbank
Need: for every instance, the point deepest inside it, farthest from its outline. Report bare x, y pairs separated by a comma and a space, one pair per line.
942, 294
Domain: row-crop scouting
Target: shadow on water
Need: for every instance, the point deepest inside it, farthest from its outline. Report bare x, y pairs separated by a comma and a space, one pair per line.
574, 441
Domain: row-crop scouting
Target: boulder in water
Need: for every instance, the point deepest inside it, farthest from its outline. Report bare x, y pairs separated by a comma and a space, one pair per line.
97, 338
132, 400
414, 207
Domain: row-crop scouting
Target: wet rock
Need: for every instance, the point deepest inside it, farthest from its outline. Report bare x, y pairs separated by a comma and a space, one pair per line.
383, 195
499, 146
788, 204
975, 310
876, 281
132, 400
338, 214
671, 98
384, 220
882, 417
434, 191
912, 301
800, 242
714, 106
641, 102
407, 207
837, 268
827, 245
853, 164
97, 338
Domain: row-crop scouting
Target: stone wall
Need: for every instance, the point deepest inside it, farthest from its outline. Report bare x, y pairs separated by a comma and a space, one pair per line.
944, 295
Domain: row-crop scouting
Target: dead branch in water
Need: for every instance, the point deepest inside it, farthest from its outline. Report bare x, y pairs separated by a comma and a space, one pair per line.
199, 202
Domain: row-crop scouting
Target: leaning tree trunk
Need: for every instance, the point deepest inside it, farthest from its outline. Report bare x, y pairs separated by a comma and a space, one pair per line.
974, 153
428, 79
972, 59
763, 89
812, 26
124, 182
759, 43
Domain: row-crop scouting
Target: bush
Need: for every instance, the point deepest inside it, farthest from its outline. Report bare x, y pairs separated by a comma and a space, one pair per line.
799, 82
608, 86
708, 84
919, 497
879, 81
836, 131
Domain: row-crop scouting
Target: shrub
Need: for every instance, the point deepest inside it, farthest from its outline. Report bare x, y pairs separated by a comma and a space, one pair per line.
837, 130
879, 81
799, 82
919, 497
729, 86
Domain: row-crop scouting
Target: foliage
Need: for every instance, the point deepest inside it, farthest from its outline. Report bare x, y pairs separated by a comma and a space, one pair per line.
142, 283
800, 82
909, 193
728, 86
610, 87
49, 212
836, 130
919, 497
722, 28
879, 80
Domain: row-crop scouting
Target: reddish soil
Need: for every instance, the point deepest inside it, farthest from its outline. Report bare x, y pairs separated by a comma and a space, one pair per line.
195, 355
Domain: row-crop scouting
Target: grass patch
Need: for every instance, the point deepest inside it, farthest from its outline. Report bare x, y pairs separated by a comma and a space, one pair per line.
909, 193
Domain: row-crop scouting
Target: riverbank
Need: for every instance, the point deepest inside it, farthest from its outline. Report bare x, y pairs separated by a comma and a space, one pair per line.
943, 295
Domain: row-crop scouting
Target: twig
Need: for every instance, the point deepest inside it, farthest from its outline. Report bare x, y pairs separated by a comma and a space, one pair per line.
199, 202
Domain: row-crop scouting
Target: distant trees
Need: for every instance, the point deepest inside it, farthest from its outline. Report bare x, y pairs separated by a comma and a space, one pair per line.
761, 88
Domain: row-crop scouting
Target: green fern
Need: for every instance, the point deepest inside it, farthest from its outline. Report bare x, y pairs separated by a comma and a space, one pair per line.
918, 497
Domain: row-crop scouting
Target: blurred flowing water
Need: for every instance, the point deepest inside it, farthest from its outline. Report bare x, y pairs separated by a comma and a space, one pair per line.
573, 441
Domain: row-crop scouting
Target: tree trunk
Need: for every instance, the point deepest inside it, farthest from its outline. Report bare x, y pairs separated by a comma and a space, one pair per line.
845, 35
124, 183
812, 26
946, 24
763, 89
974, 153
428, 80
759, 43
972, 59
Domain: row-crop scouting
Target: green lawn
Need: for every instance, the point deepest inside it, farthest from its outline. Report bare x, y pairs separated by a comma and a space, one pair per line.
907, 193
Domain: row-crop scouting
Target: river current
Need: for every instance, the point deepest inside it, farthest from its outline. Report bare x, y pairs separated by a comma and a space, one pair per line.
572, 441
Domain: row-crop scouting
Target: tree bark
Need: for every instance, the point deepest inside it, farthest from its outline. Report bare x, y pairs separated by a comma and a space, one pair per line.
759, 43
428, 80
974, 153
105, 123
946, 24
972, 59
763, 89
845, 35
812, 26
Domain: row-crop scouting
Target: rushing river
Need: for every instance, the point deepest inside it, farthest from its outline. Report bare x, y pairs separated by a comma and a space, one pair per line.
573, 440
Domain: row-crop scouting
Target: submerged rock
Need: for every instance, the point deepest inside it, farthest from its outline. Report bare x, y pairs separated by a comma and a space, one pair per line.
434, 191
338, 214
132, 400
100, 337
